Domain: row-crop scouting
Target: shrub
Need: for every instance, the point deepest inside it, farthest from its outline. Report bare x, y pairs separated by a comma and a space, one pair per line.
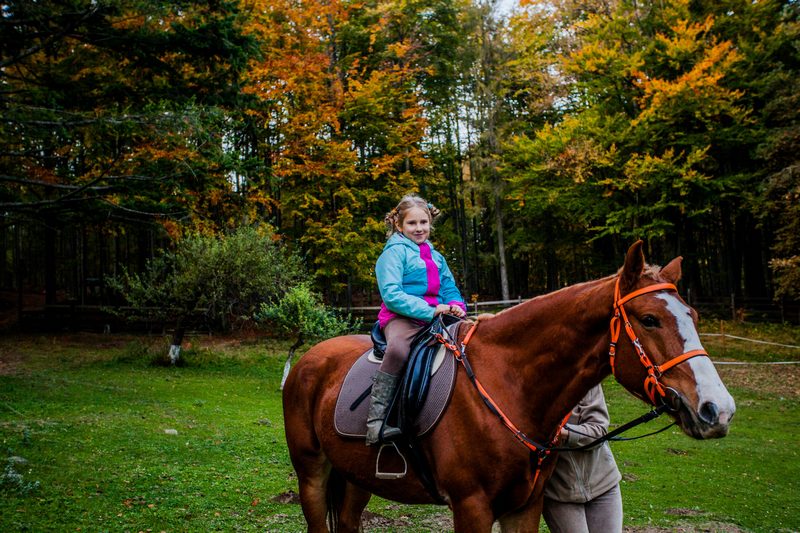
301, 314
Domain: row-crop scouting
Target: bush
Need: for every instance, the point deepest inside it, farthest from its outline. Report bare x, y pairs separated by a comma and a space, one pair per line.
222, 279
301, 314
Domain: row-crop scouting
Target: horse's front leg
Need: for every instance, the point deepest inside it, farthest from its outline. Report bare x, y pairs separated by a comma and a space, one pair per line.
472, 515
525, 520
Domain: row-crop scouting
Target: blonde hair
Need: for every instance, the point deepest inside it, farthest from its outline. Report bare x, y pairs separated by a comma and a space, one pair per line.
396, 216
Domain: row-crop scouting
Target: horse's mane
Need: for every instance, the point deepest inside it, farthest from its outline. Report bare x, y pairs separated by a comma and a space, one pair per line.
650, 271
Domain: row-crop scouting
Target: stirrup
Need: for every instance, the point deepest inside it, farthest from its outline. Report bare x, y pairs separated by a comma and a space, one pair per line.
390, 475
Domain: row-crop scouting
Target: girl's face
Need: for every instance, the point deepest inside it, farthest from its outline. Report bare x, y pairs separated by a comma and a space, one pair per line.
416, 225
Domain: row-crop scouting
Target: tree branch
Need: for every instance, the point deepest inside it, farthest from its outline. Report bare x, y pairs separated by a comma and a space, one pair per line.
39, 183
35, 48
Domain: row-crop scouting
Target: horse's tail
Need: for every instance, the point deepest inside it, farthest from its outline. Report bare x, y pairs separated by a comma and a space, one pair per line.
334, 498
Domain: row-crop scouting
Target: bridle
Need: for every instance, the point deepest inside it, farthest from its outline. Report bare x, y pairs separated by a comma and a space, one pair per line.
652, 385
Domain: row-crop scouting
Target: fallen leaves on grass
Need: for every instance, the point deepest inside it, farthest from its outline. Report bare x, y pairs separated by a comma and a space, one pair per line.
781, 380
715, 527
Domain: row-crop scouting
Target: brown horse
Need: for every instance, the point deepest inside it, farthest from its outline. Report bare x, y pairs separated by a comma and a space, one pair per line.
536, 360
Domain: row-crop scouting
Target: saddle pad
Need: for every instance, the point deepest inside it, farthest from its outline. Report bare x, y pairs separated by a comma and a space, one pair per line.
354, 423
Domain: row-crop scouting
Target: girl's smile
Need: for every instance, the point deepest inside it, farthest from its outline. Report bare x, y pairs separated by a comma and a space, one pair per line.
416, 225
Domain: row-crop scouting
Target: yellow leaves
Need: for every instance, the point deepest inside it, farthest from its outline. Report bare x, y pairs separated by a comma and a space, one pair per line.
295, 59
670, 170
173, 228
704, 63
566, 152
684, 40
40, 173
400, 49
593, 58
129, 21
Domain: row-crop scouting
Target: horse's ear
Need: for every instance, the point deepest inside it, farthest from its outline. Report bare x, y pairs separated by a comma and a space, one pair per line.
672, 272
633, 268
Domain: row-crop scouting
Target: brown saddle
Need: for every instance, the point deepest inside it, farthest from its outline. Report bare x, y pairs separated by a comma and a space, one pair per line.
350, 416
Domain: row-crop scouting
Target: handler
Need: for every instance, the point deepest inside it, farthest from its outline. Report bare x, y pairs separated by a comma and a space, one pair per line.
582, 495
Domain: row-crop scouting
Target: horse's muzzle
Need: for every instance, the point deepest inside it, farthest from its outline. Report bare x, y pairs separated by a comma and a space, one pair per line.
706, 422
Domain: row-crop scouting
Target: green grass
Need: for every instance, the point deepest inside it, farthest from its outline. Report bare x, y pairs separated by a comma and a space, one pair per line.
89, 413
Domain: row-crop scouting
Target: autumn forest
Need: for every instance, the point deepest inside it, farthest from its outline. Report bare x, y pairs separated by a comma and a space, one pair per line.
551, 137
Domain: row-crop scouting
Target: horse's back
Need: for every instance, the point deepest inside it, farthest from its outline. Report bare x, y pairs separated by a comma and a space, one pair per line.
313, 384
326, 359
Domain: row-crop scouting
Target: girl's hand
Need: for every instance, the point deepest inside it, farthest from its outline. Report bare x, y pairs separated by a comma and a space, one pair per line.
454, 310
441, 308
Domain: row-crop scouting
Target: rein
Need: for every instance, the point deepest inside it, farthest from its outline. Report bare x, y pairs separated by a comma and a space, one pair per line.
651, 383
541, 450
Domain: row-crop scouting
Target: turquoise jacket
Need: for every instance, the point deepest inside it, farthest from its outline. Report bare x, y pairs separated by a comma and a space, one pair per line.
408, 282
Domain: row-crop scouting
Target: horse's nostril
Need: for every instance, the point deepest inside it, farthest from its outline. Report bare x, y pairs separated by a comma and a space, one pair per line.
709, 413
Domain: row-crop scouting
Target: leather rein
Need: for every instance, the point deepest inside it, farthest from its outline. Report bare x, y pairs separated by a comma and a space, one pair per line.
651, 383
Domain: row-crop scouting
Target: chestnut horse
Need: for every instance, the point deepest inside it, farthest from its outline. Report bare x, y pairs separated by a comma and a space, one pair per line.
536, 360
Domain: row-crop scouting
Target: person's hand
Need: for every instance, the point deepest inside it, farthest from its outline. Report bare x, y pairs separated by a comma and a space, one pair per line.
441, 308
454, 310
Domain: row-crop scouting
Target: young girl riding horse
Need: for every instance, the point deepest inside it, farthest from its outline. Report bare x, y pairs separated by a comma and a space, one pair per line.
416, 285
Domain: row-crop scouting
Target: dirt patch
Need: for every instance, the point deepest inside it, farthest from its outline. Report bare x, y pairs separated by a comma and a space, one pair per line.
10, 362
780, 380
675, 451
371, 521
709, 527
682, 511
287, 497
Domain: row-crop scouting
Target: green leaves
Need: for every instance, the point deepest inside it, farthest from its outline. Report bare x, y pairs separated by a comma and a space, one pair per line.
223, 278
300, 312
637, 154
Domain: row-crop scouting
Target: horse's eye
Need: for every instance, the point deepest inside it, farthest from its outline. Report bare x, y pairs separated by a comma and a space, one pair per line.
649, 321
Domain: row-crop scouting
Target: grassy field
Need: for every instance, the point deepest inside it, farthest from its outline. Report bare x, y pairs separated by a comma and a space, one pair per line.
95, 438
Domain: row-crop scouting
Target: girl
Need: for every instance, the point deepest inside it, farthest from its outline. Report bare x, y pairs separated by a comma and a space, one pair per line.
416, 285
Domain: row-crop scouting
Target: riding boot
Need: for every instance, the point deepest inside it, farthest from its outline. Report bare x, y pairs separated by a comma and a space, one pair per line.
383, 389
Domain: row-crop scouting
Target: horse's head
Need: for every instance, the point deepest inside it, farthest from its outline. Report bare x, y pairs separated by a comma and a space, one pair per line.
667, 364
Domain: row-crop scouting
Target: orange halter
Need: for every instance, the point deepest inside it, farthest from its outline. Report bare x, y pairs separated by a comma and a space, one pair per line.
651, 383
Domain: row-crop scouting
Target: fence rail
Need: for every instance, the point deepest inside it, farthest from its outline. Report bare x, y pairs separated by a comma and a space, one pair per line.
75, 317
726, 307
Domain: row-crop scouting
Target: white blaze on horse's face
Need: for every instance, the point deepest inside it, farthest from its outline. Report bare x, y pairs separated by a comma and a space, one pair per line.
715, 405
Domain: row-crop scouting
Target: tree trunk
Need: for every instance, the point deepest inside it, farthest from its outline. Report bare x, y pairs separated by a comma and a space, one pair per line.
18, 268
288, 365
177, 339
501, 247
49, 261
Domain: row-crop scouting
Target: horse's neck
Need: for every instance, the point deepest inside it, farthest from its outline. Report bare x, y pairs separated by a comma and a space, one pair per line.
554, 346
